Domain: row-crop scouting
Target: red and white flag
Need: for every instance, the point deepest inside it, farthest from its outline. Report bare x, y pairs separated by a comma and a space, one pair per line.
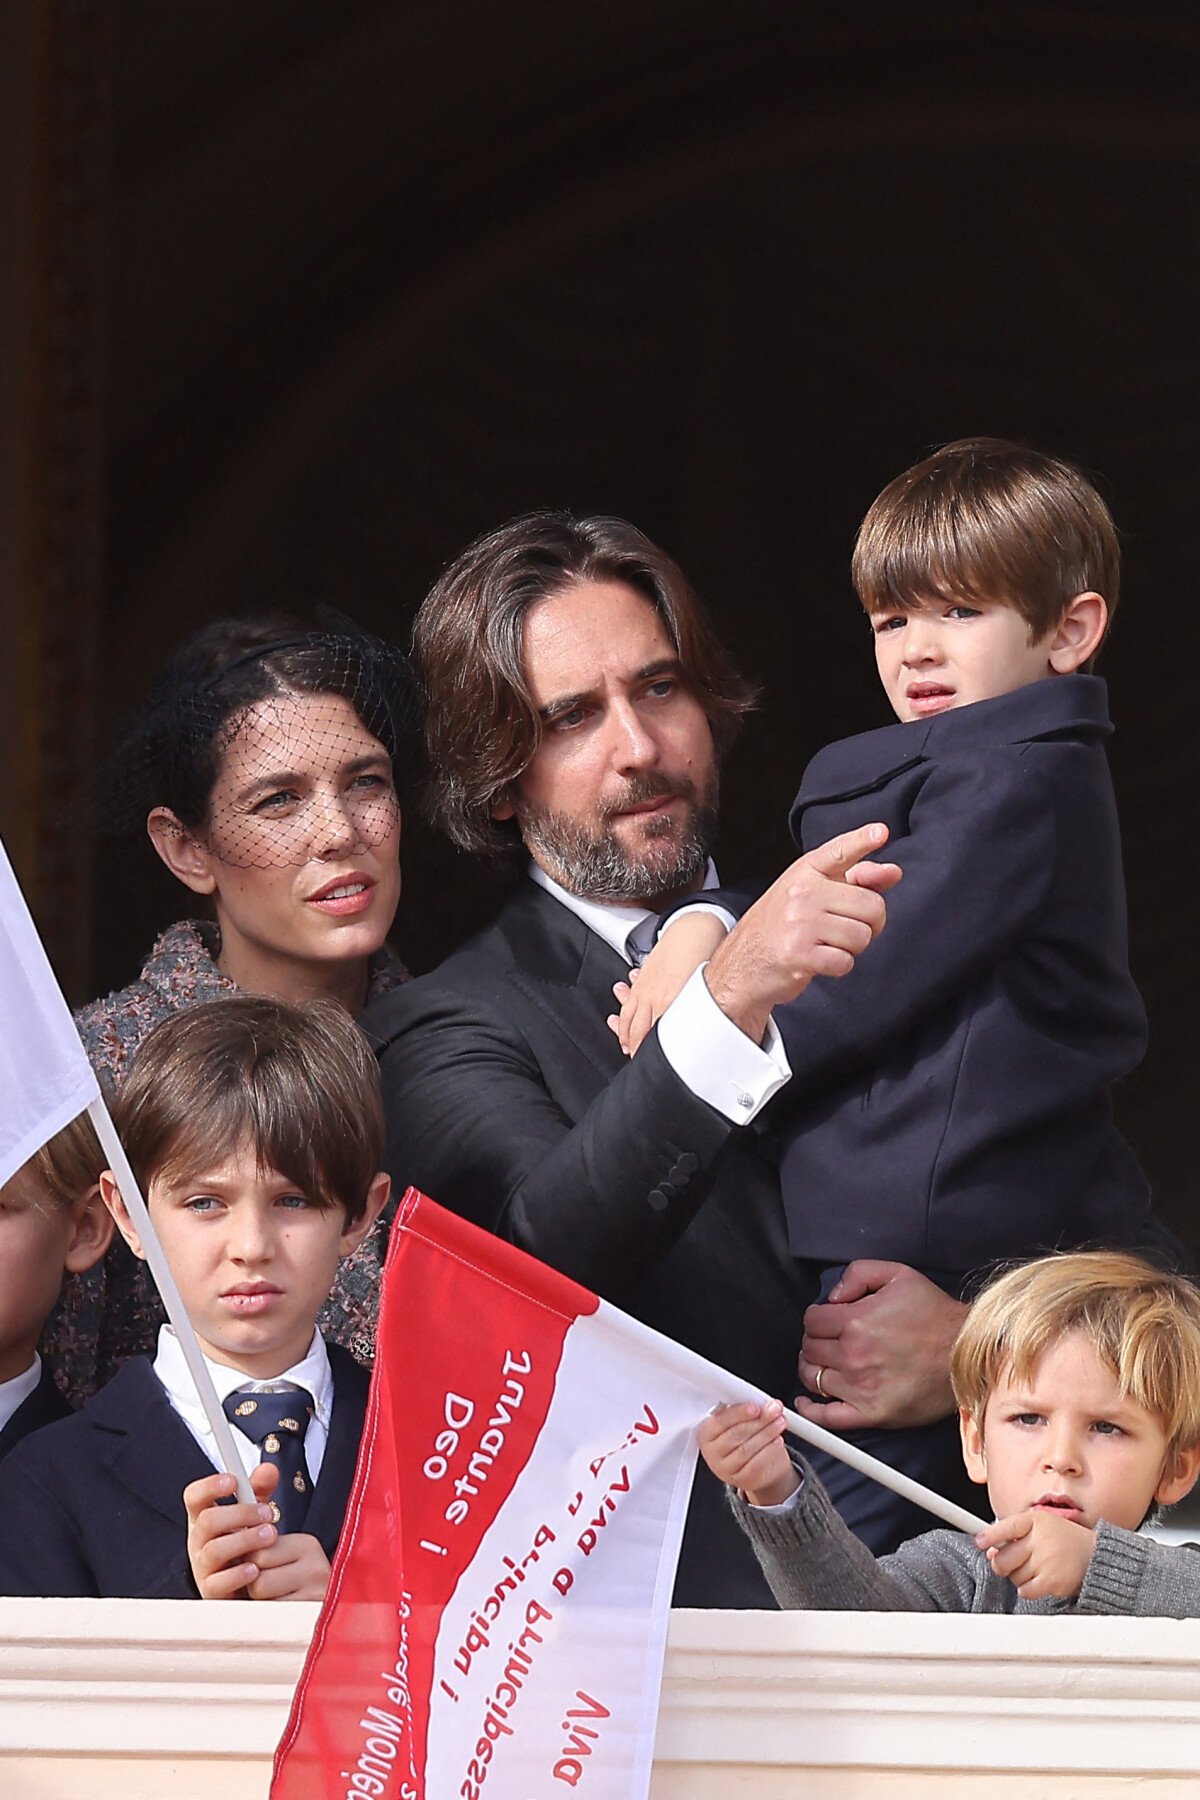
497, 1613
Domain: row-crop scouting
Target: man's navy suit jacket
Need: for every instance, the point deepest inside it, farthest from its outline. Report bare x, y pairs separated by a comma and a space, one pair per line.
45, 1406
94, 1506
950, 1097
508, 1100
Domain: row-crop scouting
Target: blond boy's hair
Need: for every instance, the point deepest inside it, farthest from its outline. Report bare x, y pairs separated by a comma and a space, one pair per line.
1143, 1324
70, 1165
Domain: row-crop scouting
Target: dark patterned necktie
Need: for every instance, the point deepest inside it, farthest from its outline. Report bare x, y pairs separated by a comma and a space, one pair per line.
276, 1421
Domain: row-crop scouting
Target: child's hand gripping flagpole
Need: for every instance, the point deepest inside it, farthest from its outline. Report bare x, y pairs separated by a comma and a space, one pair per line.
728, 1387
46, 1081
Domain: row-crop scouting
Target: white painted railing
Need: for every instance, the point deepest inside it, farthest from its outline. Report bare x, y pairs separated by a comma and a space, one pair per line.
167, 1700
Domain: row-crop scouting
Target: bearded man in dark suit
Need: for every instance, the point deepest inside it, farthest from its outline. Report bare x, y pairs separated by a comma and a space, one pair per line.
577, 705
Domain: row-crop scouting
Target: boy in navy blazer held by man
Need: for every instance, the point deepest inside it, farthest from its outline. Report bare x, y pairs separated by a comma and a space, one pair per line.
255, 1131
52, 1222
949, 1104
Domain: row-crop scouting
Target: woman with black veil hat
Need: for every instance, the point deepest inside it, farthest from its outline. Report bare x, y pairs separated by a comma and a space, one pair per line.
264, 770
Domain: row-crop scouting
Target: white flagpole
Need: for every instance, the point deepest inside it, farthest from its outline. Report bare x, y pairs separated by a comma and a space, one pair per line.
131, 1194
727, 1386
901, 1484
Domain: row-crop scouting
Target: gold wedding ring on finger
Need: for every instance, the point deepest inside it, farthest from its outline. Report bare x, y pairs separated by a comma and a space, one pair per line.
819, 1385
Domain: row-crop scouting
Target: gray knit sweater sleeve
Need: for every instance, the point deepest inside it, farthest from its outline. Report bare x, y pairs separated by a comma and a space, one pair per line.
811, 1559
1130, 1573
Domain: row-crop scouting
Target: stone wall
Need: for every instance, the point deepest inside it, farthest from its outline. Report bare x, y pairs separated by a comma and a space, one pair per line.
141, 1700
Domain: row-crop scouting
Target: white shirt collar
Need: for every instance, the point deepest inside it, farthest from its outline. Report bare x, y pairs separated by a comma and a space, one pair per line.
18, 1389
623, 928
312, 1372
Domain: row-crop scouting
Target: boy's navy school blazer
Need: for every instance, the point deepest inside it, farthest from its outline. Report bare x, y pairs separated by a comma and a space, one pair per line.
45, 1406
950, 1097
94, 1506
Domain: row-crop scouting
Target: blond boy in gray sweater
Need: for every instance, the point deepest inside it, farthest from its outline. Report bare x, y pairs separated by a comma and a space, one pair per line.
1078, 1384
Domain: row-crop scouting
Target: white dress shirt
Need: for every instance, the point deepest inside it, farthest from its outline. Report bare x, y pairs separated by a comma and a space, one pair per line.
19, 1388
707, 1051
312, 1373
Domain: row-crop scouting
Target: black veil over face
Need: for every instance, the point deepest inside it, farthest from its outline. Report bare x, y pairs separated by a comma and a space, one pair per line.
258, 728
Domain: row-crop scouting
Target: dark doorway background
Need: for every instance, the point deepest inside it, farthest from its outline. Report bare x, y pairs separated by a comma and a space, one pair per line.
381, 275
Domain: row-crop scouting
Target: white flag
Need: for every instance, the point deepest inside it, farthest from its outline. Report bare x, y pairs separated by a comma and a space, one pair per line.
45, 1081
45, 1076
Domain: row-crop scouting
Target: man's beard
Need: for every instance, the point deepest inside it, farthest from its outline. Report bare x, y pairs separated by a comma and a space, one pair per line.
588, 860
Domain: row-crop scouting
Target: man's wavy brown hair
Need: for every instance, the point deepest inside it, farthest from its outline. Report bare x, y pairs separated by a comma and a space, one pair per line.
482, 727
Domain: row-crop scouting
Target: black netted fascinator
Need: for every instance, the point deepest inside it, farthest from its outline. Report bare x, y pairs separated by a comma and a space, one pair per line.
268, 740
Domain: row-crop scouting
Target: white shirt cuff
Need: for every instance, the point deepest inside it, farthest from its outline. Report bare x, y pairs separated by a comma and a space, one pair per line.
699, 906
784, 1506
719, 1063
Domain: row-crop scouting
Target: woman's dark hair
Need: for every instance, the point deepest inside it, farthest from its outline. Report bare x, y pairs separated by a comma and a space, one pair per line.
481, 725
172, 755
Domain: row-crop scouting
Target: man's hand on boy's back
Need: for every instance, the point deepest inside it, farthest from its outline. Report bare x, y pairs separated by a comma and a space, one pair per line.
235, 1551
881, 1347
1044, 1555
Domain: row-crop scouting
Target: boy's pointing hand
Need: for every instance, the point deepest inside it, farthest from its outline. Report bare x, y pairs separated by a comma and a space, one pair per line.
821, 913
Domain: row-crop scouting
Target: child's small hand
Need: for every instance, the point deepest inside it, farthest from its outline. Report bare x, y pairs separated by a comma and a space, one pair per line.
743, 1445
1041, 1553
236, 1551
650, 990
294, 1567
226, 1544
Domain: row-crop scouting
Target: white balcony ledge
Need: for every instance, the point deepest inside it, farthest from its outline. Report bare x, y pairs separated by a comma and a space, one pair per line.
165, 1700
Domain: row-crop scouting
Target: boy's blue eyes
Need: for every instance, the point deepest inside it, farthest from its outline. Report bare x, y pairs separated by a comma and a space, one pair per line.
897, 621
1105, 1427
204, 1204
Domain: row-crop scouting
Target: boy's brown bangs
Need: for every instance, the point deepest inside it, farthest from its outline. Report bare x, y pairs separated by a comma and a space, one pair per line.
298, 1083
307, 1143
200, 1144
930, 543
923, 569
